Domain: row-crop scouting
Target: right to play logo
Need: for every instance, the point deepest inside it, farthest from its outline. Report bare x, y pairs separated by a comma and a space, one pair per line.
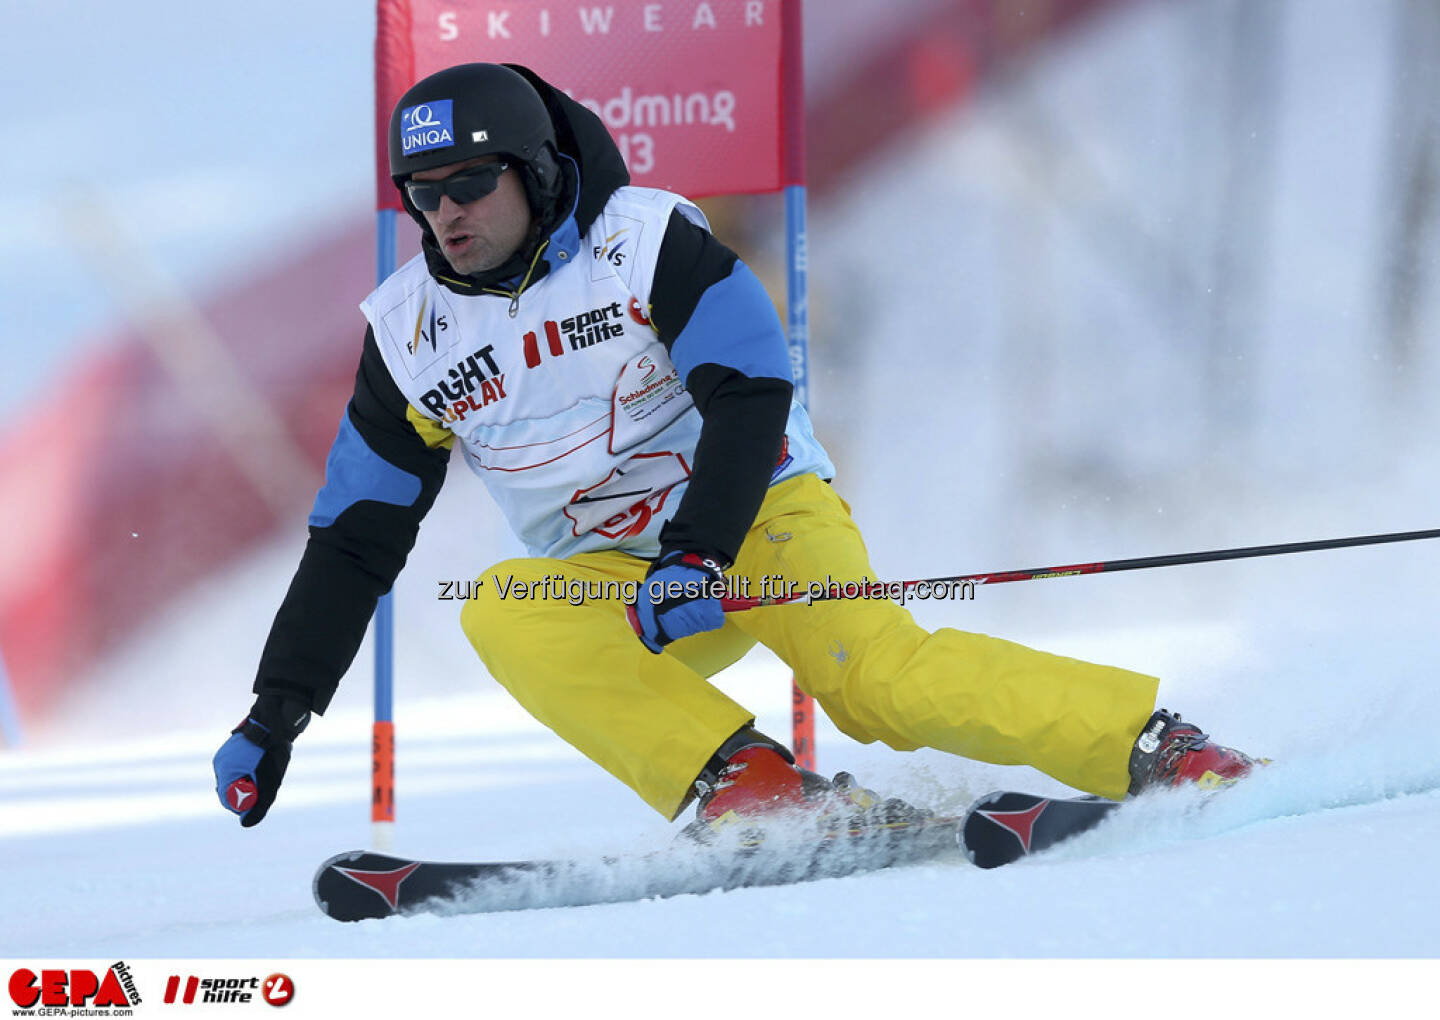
46, 993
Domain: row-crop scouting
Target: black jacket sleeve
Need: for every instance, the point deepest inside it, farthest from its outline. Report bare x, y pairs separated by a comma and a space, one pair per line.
722, 332
380, 481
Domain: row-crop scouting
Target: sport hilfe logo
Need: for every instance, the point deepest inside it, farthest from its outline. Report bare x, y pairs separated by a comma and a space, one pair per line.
74, 988
581, 331
211, 989
276, 989
427, 126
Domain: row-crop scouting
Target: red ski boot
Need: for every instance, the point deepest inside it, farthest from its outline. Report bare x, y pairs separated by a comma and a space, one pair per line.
1169, 752
752, 781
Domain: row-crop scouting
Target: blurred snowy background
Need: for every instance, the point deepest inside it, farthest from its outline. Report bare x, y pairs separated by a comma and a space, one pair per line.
1089, 280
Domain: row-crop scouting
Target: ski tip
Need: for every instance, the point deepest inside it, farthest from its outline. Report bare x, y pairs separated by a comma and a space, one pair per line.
988, 798
980, 861
315, 883
348, 857
1006, 825
324, 886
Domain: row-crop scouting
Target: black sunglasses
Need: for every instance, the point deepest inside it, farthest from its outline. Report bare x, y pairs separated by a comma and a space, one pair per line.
467, 186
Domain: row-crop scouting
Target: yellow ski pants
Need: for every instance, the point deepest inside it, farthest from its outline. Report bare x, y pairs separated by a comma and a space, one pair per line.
653, 721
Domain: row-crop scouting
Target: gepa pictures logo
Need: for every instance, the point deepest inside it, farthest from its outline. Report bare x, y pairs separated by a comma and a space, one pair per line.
42, 993
427, 126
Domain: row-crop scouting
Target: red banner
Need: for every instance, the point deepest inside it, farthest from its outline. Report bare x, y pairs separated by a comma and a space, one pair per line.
699, 96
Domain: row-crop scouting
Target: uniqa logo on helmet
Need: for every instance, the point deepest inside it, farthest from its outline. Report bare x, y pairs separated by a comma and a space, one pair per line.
427, 126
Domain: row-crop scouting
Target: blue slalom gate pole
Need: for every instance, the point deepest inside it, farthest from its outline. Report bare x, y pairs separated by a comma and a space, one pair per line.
797, 292
802, 706
382, 793
9, 710
797, 332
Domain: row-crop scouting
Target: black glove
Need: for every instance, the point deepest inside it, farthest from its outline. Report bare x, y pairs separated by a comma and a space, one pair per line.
250, 765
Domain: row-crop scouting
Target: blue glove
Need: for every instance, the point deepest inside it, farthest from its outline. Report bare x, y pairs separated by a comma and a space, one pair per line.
680, 596
250, 765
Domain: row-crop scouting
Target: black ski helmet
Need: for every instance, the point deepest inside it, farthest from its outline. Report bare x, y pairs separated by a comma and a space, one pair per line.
475, 110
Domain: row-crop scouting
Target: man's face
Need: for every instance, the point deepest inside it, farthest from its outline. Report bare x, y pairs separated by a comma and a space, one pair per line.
480, 235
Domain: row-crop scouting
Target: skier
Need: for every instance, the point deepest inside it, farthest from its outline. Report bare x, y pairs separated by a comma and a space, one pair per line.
620, 381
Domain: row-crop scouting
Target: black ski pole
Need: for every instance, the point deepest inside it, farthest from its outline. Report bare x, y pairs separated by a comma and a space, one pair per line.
817, 592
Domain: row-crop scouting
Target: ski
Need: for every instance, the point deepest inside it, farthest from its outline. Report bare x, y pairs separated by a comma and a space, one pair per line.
998, 829
361, 885
1004, 826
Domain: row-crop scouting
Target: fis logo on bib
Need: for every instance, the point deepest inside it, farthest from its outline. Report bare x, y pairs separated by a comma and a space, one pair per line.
438, 325
427, 126
612, 250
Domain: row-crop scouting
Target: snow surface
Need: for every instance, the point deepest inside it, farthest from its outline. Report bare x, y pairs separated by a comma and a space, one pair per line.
1324, 662
1330, 852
